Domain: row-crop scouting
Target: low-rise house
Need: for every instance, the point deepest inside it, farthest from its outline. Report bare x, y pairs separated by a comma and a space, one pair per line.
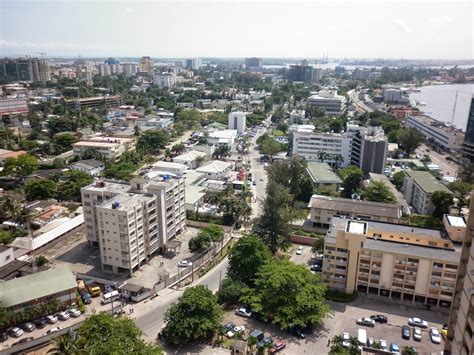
169, 167
91, 167
321, 174
324, 208
216, 170
221, 137
190, 158
58, 284
6, 255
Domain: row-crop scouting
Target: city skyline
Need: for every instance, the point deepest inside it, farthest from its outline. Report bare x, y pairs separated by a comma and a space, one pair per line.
191, 29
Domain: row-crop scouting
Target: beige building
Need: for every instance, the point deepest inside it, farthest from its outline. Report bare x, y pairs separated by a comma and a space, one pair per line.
109, 147
324, 208
131, 222
461, 319
455, 226
391, 260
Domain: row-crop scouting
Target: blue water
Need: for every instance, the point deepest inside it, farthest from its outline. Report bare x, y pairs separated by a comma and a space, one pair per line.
440, 99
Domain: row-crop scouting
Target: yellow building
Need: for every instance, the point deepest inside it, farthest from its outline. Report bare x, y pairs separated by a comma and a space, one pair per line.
391, 260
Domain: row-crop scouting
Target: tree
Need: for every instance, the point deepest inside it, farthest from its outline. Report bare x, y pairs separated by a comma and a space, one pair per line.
326, 190
205, 238
442, 200
270, 147
222, 152
69, 184
39, 189
230, 291
338, 159
64, 345
20, 167
409, 139
62, 142
461, 192
288, 293
466, 172
178, 148
351, 179
196, 316
231, 206
272, 227
318, 245
377, 191
292, 175
306, 187
398, 179
41, 260
152, 141
199, 161
246, 258
101, 333
409, 350
137, 131
10, 207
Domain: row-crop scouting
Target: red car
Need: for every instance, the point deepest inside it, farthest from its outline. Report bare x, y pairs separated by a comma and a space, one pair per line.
277, 346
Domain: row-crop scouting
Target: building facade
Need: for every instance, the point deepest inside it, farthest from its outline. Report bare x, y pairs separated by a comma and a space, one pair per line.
24, 70
391, 260
164, 80
369, 150
329, 100
468, 144
146, 64
253, 63
237, 121
301, 73
194, 63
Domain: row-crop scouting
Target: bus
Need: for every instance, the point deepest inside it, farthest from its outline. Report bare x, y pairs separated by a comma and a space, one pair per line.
110, 297
362, 337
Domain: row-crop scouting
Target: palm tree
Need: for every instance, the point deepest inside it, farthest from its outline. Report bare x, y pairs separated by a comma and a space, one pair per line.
10, 206
64, 345
408, 350
199, 161
137, 131
322, 155
339, 159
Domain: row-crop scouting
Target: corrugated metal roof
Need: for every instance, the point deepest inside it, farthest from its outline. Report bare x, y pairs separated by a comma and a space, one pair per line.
31, 287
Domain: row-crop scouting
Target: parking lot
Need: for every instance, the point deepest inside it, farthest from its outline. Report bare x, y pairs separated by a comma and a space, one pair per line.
344, 319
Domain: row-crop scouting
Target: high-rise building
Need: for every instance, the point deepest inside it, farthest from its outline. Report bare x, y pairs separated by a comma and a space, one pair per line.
146, 64
237, 121
132, 222
301, 73
130, 69
84, 70
24, 70
460, 338
317, 74
329, 100
369, 149
164, 80
468, 144
194, 63
253, 63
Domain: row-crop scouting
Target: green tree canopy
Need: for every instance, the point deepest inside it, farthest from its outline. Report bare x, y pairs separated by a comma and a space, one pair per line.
152, 141
246, 258
20, 167
230, 291
409, 139
398, 179
39, 189
69, 184
442, 201
351, 179
196, 316
377, 191
222, 152
62, 142
288, 293
461, 192
205, 238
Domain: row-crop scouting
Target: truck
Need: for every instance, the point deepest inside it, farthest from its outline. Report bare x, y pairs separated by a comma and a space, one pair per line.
93, 288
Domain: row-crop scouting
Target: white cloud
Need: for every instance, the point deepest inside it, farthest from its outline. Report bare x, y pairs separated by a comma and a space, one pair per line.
53, 47
443, 20
402, 25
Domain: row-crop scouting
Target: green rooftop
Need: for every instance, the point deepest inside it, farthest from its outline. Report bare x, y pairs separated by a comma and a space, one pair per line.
321, 173
427, 182
39, 285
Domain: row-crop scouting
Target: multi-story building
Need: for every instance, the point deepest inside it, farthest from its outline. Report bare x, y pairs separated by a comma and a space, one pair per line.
237, 121
164, 80
24, 70
108, 147
391, 95
328, 99
317, 74
468, 144
109, 69
418, 187
84, 70
132, 222
321, 174
446, 137
253, 63
130, 69
325, 147
298, 117
460, 338
146, 64
194, 63
369, 149
324, 208
301, 73
391, 260
94, 102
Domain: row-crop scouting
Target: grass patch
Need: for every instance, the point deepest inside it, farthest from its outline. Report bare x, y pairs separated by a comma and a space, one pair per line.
304, 233
207, 218
425, 221
339, 296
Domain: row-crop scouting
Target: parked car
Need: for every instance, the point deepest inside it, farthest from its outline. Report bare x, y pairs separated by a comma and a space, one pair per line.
261, 178
40, 323
417, 334
243, 312
369, 322
444, 331
22, 341
299, 251
52, 330
236, 330
379, 318
406, 332
346, 340
3, 336
394, 348
417, 322
108, 289
15, 332
297, 332
63, 315
74, 312
185, 263
435, 336
383, 344
86, 297
51, 319
28, 327
254, 183
280, 344
229, 325
316, 267
264, 342
318, 255
370, 342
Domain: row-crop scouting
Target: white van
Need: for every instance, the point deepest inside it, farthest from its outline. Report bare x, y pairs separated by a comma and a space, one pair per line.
362, 337
110, 297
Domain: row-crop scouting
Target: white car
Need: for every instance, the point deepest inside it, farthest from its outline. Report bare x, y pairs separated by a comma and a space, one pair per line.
63, 315
299, 251
417, 334
185, 263
236, 330
52, 330
243, 312
383, 344
417, 322
74, 312
435, 336
318, 255
346, 340
51, 319
16, 332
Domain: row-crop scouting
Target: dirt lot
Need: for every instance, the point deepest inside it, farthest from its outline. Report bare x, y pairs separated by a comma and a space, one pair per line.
344, 320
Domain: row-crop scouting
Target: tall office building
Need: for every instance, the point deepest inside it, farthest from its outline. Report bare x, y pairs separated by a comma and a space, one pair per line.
461, 318
369, 149
146, 64
24, 70
253, 63
194, 63
301, 73
237, 121
468, 144
130, 69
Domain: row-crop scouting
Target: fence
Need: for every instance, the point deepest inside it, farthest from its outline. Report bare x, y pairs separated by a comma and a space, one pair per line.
197, 263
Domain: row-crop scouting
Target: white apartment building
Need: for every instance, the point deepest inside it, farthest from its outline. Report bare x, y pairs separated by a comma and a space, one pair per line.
215, 170
131, 222
189, 158
237, 121
309, 145
130, 69
110, 148
447, 137
220, 137
164, 80
329, 100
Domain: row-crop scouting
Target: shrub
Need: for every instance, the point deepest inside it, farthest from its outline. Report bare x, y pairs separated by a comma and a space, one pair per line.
340, 296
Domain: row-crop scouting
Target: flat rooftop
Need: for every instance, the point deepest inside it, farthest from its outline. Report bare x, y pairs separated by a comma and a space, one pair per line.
456, 221
321, 173
109, 186
426, 181
356, 227
96, 144
125, 202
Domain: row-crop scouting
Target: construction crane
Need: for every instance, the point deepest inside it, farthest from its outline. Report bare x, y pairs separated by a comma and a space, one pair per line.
454, 106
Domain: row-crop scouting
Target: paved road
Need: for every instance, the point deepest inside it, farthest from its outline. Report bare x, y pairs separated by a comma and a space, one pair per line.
358, 104
448, 168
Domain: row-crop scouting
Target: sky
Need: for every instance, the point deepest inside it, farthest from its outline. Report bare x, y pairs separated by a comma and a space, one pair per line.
416, 29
